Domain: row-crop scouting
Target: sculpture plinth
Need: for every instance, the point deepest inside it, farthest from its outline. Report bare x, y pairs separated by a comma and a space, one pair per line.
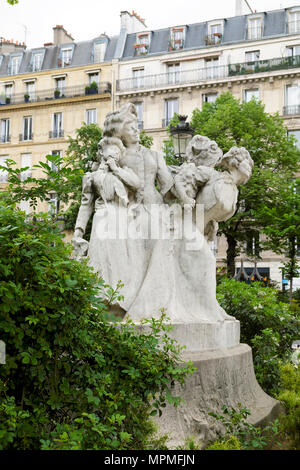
147, 232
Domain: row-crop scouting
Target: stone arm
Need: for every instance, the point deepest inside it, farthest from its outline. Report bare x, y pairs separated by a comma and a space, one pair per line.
164, 177
86, 207
126, 175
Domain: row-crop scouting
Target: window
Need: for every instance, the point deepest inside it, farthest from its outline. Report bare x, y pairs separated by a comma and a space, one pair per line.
66, 56
60, 84
37, 60
212, 69
3, 173
139, 109
5, 128
94, 77
138, 78
91, 116
209, 97
8, 91
15, 63
292, 51
57, 126
142, 44
251, 94
53, 166
252, 244
26, 163
251, 58
177, 39
25, 206
255, 28
171, 107
99, 51
27, 128
296, 134
294, 22
54, 205
292, 99
30, 90
215, 33
173, 73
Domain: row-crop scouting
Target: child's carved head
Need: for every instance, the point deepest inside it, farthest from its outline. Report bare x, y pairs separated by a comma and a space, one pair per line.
203, 151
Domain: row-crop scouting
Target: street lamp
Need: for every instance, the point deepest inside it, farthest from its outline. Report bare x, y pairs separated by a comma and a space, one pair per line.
181, 136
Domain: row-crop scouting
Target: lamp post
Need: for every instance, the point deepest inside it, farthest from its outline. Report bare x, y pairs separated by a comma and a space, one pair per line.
181, 136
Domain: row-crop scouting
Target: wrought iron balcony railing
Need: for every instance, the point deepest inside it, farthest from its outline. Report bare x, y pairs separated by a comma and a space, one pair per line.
294, 109
4, 139
165, 122
25, 137
213, 39
57, 134
206, 74
47, 95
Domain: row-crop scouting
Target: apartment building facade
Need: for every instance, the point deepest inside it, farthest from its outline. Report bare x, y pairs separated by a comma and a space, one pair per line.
47, 93
164, 71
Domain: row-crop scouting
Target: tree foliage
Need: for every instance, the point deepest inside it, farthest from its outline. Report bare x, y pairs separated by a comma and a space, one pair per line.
232, 123
72, 379
267, 325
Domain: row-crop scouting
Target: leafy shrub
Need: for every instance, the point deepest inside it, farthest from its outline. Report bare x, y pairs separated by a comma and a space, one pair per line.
267, 325
72, 379
232, 443
249, 437
290, 397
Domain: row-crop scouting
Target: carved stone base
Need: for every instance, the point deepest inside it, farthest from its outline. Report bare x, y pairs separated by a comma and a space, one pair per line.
223, 377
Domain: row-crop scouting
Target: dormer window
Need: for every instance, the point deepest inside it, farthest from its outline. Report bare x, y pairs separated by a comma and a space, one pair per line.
255, 27
294, 22
215, 33
65, 58
142, 44
37, 61
177, 39
99, 50
14, 66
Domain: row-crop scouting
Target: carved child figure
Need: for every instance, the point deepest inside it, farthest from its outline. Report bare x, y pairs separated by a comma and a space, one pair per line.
202, 156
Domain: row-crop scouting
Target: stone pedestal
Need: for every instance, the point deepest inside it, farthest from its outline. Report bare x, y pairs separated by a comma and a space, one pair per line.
223, 377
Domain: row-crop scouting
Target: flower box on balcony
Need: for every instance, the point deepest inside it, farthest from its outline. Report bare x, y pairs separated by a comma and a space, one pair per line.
26, 98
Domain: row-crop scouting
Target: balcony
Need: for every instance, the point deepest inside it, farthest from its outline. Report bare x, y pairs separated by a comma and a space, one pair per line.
291, 110
25, 137
49, 95
213, 39
56, 134
141, 49
175, 44
258, 66
4, 139
172, 79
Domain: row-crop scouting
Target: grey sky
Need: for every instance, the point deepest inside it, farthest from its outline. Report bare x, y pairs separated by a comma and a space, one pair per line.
86, 19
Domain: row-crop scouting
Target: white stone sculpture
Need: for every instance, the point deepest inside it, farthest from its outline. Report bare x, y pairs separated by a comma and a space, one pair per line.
131, 189
163, 272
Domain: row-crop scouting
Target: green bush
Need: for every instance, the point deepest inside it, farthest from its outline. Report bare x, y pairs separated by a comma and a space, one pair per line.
72, 379
267, 325
232, 443
290, 397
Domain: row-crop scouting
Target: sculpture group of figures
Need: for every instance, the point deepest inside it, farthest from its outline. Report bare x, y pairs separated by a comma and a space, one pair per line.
163, 271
